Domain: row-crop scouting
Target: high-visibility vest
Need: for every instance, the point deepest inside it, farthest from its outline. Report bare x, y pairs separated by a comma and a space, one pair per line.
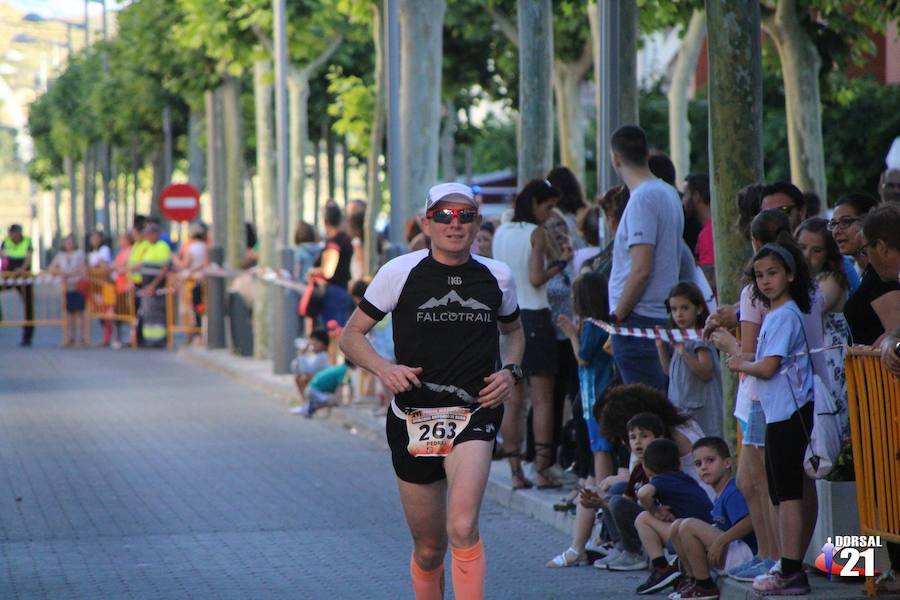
14, 250
136, 258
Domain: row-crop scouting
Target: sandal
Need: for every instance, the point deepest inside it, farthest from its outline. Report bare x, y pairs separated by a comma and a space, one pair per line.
519, 481
567, 503
544, 455
569, 558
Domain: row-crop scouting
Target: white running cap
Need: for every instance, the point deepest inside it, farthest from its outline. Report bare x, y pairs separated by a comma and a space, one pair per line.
450, 192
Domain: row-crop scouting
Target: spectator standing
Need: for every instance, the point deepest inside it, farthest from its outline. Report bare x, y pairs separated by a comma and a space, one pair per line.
695, 382
559, 295
191, 262
889, 185
589, 228
784, 373
523, 245
881, 230
787, 198
868, 315
69, 264
571, 201
306, 249
333, 265
612, 203
645, 257
826, 265
356, 229
696, 199
151, 265
123, 284
15, 257
484, 240
100, 258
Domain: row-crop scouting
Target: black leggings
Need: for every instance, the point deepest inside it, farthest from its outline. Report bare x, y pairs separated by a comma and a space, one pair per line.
786, 443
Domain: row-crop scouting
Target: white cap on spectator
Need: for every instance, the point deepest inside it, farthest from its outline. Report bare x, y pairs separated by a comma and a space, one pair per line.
449, 192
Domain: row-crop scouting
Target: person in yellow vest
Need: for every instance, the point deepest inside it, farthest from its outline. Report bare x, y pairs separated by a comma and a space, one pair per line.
15, 252
149, 261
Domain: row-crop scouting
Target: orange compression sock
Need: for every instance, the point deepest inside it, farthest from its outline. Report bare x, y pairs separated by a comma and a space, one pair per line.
469, 568
427, 585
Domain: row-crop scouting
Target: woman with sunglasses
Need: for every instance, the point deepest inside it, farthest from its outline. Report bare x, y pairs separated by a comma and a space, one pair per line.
524, 245
447, 307
865, 311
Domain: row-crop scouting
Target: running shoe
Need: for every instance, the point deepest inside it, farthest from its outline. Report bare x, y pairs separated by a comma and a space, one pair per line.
601, 549
752, 572
697, 592
776, 583
732, 572
628, 561
659, 580
612, 555
684, 584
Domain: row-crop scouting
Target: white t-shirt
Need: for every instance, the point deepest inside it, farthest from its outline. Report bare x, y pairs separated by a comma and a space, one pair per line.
653, 216
783, 335
102, 256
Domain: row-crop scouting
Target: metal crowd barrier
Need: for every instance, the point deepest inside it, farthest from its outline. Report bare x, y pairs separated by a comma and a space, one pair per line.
111, 298
873, 396
185, 302
32, 300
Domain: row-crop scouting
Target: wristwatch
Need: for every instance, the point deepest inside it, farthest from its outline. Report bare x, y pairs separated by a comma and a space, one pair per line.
516, 371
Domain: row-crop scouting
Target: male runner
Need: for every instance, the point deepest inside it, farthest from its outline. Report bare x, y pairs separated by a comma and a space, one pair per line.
447, 306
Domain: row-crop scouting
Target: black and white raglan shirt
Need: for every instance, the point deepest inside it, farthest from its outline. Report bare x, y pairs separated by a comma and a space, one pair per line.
444, 320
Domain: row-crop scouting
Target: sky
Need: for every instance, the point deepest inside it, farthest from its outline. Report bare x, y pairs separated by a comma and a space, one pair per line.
63, 8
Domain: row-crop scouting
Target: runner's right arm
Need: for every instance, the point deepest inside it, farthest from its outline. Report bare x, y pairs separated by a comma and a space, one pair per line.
356, 347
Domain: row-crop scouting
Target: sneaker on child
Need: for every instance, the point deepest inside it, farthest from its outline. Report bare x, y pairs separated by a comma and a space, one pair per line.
659, 579
628, 561
776, 583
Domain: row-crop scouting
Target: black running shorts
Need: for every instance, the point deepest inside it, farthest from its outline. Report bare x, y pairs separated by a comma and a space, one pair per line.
484, 425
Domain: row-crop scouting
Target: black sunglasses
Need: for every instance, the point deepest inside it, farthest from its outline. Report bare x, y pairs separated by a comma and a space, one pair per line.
444, 216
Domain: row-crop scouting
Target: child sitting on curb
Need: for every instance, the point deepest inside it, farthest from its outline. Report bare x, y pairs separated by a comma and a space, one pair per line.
729, 541
322, 389
310, 359
621, 507
671, 494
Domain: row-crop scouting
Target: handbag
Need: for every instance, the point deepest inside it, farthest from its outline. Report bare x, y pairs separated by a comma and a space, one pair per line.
824, 440
313, 299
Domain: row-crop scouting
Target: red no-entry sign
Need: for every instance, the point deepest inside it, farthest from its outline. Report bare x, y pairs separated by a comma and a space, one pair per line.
179, 202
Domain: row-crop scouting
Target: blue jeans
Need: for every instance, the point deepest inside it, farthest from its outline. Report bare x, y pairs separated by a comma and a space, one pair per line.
636, 358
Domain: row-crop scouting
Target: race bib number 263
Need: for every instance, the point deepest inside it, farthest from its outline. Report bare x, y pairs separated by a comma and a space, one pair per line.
432, 431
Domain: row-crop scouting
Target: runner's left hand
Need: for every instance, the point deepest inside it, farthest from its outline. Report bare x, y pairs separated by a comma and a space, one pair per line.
499, 387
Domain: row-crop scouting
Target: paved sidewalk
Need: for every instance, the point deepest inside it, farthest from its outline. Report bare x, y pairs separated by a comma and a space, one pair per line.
134, 474
358, 419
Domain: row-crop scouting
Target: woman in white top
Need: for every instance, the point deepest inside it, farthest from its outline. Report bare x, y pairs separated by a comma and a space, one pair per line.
522, 245
99, 258
190, 261
69, 264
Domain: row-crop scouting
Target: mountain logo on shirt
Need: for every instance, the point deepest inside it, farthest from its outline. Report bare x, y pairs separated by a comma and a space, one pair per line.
452, 296
444, 310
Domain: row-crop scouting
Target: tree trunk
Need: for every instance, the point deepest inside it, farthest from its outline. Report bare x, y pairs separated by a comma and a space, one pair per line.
104, 150
298, 101
448, 148
57, 213
376, 141
317, 180
567, 78
159, 182
69, 168
421, 56
329, 156
196, 161
800, 64
268, 204
234, 169
114, 222
735, 142
88, 213
216, 182
345, 171
535, 131
683, 75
